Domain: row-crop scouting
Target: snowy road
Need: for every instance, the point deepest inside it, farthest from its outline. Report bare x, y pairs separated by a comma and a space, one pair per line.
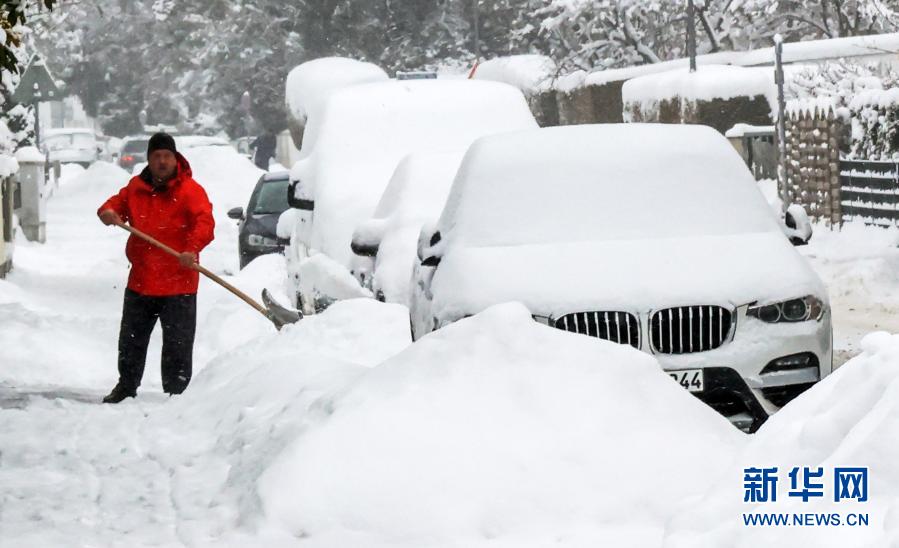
221, 464
71, 468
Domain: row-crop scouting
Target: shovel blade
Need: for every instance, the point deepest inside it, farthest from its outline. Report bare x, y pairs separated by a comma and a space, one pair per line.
279, 315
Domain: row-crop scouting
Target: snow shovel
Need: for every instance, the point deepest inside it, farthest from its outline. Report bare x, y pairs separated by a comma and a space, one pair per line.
277, 314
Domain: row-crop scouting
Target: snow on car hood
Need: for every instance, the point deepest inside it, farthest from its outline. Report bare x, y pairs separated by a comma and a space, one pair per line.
631, 275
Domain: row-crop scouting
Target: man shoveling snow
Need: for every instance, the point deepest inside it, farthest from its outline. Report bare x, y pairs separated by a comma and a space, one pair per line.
165, 202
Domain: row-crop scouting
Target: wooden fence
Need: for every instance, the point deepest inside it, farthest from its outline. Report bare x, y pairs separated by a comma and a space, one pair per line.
870, 191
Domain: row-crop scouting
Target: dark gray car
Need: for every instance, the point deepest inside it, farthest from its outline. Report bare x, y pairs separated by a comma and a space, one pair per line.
258, 235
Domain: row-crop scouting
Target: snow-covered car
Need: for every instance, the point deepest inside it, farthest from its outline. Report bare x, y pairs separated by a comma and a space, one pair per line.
354, 141
386, 243
655, 236
71, 146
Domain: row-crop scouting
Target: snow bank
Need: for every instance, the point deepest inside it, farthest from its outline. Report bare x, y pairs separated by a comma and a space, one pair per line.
529, 73
323, 278
309, 84
851, 418
707, 83
499, 430
251, 401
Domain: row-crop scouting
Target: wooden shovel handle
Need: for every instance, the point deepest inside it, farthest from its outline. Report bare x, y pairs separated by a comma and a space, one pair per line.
196, 266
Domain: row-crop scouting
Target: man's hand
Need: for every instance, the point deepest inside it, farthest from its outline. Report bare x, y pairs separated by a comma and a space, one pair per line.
187, 259
110, 217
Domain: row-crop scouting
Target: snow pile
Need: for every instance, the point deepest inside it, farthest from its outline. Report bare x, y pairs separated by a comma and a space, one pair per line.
707, 83
858, 264
322, 278
252, 401
8, 165
309, 84
529, 73
499, 431
851, 419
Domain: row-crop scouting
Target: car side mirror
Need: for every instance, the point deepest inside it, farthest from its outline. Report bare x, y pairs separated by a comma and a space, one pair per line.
428, 240
235, 213
298, 203
797, 225
367, 237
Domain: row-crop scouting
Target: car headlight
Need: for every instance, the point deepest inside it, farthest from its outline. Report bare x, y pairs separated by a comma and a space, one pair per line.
792, 311
262, 241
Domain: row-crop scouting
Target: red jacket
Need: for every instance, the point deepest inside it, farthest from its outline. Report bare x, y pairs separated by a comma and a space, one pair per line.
180, 217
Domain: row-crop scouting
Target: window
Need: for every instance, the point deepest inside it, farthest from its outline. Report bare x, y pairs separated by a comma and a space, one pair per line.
271, 197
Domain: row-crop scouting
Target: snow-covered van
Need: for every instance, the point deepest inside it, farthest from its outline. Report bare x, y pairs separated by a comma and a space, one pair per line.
653, 236
353, 142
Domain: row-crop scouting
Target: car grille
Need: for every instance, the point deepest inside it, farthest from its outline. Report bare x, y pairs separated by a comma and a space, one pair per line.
688, 329
618, 327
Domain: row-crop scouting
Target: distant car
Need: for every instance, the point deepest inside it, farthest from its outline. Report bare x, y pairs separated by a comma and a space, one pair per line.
258, 224
386, 243
648, 235
133, 151
71, 146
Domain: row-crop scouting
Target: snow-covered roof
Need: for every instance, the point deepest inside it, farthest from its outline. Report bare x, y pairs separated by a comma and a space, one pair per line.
310, 83
739, 130
807, 51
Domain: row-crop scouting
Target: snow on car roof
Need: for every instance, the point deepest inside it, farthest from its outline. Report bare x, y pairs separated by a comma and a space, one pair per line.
309, 84
592, 182
419, 185
352, 148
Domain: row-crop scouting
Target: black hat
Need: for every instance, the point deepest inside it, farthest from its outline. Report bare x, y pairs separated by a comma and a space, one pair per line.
161, 141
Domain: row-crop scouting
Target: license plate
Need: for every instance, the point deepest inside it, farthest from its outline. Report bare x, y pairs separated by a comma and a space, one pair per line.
691, 379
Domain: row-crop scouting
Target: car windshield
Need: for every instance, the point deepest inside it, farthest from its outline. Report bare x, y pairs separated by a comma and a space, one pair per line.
271, 197
135, 146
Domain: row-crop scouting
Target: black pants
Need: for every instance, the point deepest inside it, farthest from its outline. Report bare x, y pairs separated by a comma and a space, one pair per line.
178, 316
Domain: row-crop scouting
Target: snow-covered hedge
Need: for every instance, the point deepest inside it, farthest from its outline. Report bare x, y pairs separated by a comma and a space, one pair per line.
875, 124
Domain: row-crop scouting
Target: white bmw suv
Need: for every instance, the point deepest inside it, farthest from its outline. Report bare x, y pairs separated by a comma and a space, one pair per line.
654, 236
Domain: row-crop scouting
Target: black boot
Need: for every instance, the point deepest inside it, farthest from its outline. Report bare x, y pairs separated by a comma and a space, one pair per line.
119, 393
